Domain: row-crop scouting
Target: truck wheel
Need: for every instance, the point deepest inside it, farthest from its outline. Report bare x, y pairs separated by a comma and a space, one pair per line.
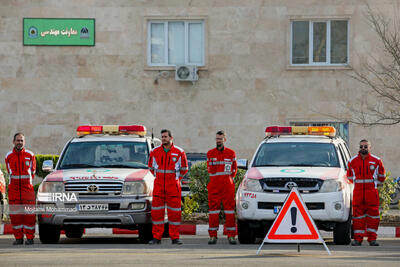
145, 233
342, 232
394, 198
246, 234
49, 234
74, 232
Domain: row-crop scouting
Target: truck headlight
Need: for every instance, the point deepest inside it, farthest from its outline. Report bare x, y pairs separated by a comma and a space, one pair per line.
331, 185
51, 187
134, 188
252, 185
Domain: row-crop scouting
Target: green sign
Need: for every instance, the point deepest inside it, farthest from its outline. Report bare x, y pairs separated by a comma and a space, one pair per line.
53, 31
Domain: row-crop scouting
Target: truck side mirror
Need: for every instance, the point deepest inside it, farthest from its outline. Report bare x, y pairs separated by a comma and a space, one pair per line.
47, 165
242, 164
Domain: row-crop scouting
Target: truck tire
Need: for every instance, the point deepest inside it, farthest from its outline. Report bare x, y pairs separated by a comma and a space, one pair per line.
49, 234
246, 234
342, 232
394, 198
74, 232
145, 233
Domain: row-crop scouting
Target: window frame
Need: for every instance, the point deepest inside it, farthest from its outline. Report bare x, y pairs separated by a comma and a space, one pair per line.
186, 22
343, 156
311, 43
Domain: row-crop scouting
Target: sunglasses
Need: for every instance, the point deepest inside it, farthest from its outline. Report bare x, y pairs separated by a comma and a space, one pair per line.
364, 146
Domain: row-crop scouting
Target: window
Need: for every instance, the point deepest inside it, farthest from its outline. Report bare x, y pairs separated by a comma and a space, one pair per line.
319, 42
296, 154
105, 154
171, 43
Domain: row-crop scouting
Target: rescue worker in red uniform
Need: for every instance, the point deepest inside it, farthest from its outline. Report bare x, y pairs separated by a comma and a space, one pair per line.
222, 168
21, 166
366, 171
168, 163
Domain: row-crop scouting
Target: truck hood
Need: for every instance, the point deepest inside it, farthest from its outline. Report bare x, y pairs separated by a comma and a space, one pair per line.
295, 172
120, 174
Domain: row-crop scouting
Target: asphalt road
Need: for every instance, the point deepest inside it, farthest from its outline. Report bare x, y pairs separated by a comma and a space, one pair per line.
98, 251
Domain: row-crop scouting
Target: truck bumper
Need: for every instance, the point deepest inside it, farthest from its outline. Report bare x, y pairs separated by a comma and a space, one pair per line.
64, 215
330, 207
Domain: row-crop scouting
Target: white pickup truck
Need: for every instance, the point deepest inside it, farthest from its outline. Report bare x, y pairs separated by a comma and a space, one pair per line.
100, 180
314, 160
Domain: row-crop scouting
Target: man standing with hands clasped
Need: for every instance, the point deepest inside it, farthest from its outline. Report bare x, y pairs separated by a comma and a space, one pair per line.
366, 171
21, 166
222, 168
168, 164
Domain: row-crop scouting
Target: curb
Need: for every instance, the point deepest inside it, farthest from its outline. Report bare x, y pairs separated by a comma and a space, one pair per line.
191, 229
185, 229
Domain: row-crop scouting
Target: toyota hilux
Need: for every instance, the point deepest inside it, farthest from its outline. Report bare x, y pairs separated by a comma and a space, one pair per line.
314, 160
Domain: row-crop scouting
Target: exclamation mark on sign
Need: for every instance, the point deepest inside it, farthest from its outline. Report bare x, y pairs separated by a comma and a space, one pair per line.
293, 212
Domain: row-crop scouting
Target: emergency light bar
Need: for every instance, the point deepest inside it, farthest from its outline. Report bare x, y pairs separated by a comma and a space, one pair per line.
300, 130
278, 130
111, 129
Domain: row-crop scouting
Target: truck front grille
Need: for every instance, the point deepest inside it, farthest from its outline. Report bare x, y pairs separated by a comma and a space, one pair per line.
285, 184
271, 205
102, 187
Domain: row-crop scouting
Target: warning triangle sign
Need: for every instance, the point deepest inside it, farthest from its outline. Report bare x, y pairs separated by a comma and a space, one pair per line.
293, 223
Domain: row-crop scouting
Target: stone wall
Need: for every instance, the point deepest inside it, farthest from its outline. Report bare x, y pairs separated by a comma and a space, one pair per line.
247, 84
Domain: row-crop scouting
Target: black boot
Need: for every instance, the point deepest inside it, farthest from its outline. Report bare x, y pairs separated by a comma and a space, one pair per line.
29, 242
177, 242
18, 242
374, 243
212, 240
155, 241
356, 243
232, 240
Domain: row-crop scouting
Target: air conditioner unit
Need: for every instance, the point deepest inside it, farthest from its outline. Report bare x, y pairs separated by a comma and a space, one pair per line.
186, 73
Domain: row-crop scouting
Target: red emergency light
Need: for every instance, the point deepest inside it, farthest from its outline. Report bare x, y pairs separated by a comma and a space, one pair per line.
278, 130
89, 129
133, 129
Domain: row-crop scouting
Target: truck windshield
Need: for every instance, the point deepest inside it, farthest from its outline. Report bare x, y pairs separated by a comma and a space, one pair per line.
110, 154
297, 154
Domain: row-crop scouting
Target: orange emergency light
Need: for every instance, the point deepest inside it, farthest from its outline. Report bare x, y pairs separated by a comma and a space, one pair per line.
322, 130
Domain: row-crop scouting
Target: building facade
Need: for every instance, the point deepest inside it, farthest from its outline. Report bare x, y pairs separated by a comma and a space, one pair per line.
260, 63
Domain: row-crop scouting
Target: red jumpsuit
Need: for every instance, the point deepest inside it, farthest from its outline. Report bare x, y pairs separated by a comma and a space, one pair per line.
366, 175
222, 167
21, 166
168, 169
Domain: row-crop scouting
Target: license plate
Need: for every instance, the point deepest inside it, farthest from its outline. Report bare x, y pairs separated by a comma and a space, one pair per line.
277, 209
92, 207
